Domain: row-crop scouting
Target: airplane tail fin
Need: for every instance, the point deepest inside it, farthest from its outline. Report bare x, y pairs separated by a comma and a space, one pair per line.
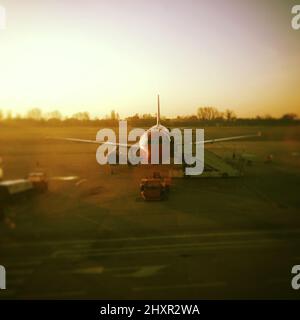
158, 111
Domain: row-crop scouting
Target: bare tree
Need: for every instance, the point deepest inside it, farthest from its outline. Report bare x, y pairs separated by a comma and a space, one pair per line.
9, 115
147, 116
230, 115
289, 116
54, 115
81, 116
209, 113
134, 117
35, 114
114, 115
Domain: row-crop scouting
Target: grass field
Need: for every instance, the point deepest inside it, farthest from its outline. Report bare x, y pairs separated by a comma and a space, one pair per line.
213, 238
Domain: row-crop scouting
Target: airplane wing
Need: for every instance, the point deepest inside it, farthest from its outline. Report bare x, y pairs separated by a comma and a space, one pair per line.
116, 144
135, 145
229, 138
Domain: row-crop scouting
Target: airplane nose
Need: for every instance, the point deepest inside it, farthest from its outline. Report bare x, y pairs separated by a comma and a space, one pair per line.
145, 156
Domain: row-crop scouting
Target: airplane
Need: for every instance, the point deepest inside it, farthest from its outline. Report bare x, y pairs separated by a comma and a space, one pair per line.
144, 143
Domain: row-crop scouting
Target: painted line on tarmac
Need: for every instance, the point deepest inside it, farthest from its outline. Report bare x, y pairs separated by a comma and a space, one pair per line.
91, 270
23, 264
96, 223
164, 237
130, 271
143, 272
167, 248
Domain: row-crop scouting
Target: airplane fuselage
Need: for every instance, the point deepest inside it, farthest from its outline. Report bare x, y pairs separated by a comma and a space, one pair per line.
157, 133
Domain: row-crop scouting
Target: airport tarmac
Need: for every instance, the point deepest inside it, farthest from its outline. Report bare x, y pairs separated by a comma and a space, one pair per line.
213, 238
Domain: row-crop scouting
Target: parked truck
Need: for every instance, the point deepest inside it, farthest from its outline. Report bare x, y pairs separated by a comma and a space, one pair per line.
155, 188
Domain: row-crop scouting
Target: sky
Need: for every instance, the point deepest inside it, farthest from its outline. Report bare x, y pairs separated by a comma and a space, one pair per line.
96, 55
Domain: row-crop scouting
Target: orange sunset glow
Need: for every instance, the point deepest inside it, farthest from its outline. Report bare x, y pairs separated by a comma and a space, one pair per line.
97, 56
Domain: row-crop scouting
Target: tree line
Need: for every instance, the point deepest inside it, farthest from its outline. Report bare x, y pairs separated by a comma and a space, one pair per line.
205, 115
